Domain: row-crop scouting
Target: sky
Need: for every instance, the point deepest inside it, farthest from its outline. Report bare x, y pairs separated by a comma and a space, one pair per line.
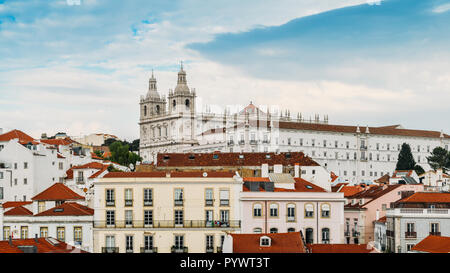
80, 66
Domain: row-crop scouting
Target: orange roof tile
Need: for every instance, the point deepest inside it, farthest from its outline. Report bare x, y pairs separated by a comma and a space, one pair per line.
16, 134
18, 211
68, 208
433, 244
427, 197
59, 141
57, 191
12, 204
172, 174
43, 246
290, 242
340, 248
90, 165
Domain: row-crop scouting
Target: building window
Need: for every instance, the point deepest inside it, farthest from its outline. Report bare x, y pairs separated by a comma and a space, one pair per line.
110, 197
61, 234
128, 197
273, 210
224, 216
257, 210
178, 217
128, 217
25, 165
309, 211
23, 232
434, 229
148, 197
265, 241
325, 236
110, 217
6, 232
178, 197
148, 217
273, 230
44, 232
290, 212
41, 206
78, 235
110, 243
129, 244
148, 242
257, 230
209, 197
224, 197
209, 243
61, 165
291, 230
179, 241
409, 247
325, 208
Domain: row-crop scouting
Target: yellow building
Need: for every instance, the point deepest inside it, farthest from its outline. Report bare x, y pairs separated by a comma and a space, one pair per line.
165, 211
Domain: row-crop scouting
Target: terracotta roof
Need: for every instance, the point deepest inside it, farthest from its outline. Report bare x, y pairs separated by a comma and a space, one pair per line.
333, 176
58, 141
232, 159
90, 165
164, 174
12, 204
96, 174
44, 245
94, 156
23, 138
340, 248
290, 242
384, 179
68, 208
301, 185
18, 211
256, 179
57, 191
427, 197
60, 156
350, 190
69, 174
372, 193
433, 244
381, 220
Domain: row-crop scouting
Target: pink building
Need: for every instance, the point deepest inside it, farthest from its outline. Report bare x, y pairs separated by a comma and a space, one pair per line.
367, 206
281, 203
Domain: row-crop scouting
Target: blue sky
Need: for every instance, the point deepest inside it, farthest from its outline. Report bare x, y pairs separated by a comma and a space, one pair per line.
82, 68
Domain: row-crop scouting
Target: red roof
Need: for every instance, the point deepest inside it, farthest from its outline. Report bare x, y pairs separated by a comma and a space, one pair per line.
232, 159
56, 192
172, 174
290, 242
401, 173
12, 204
301, 185
44, 245
18, 211
23, 138
340, 248
94, 156
58, 141
68, 208
433, 244
427, 197
96, 174
256, 179
90, 165
381, 220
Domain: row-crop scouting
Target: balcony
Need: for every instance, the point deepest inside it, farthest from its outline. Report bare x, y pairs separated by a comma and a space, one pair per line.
363, 148
224, 202
179, 249
355, 233
110, 203
436, 233
178, 202
169, 224
110, 249
230, 143
80, 180
219, 249
148, 202
149, 250
363, 158
410, 235
347, 233
241, 142
266, 141
291, 218
209, 249
128, 202
209, 202
253, 142
129, 250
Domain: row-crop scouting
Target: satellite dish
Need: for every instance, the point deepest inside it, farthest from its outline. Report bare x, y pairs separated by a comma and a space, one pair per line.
131, 166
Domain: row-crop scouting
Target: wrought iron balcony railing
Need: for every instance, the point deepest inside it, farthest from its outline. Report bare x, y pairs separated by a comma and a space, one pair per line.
209, 249
110, 203
128, 202
149, 250
224, 202
148, 202
209, 202
110, 249
410, 234
179, 249
169, 224
178, 202
80, 180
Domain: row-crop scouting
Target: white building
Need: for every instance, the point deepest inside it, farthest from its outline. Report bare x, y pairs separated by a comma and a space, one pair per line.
355, 154
56, 212
94, 139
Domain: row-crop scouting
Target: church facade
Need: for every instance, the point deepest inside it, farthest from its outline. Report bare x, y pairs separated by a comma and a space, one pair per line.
355, 154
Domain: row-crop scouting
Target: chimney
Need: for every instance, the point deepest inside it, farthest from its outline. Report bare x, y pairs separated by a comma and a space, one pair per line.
377, 215
265, 170
296, 170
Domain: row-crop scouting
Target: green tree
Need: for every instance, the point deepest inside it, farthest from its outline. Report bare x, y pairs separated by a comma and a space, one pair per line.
98, 153
109, 141
405, 159
134, 145
439, 159
120, 154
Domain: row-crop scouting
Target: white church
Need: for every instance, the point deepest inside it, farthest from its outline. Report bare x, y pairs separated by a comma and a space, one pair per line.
355, 154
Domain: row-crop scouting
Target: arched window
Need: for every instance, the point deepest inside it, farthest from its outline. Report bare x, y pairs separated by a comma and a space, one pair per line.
257, 210
309, 211
291, 212
174, 103
187, 103
145, 110
157, 109
325, 235
325, 208
273, 210
159, 131
291, 229
257, 230
273, 230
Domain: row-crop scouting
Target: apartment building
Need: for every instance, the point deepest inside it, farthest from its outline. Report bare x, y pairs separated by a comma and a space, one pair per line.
165, 212
415, 217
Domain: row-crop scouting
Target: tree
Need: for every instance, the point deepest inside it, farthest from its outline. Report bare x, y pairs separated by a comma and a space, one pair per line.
120, 154
109, 141
439, 159
98, 153
405, 159
134, 145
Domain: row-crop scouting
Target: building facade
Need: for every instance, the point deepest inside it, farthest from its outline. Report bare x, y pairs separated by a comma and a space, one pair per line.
165, 211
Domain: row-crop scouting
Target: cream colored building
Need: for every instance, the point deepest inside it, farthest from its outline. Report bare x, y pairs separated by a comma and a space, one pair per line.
165, 211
